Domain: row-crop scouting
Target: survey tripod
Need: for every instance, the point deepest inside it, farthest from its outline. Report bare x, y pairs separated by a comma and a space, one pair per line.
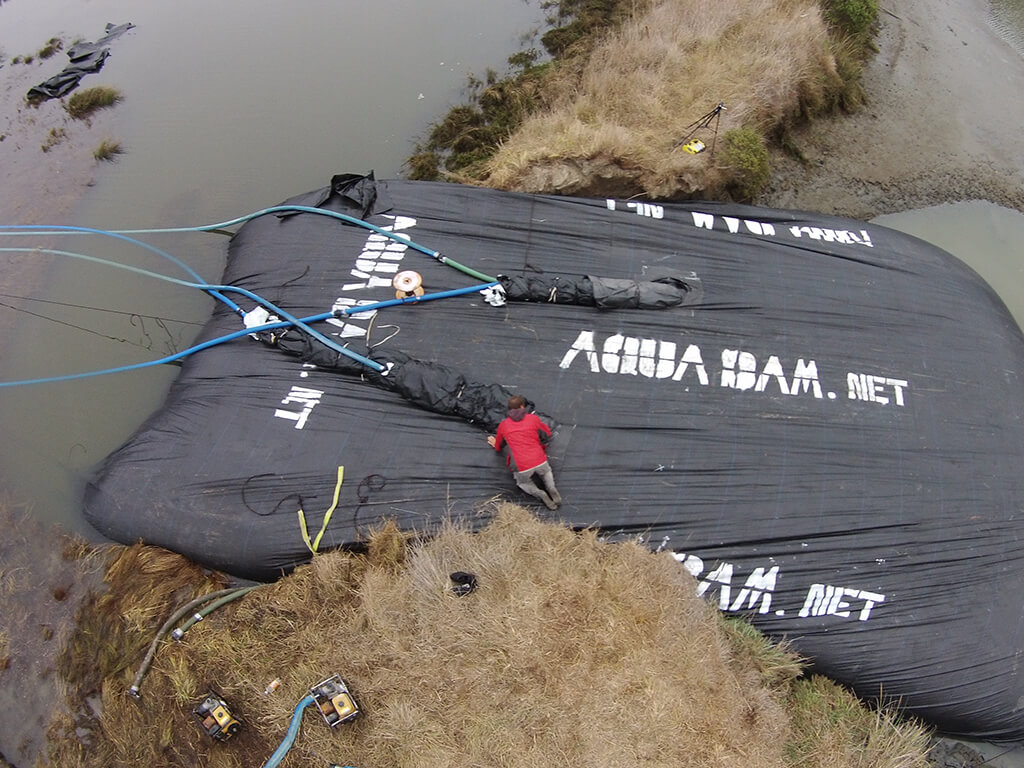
715, 115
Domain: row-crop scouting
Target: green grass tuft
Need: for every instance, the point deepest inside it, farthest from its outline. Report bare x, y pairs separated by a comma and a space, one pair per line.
53, 45
776, 663
853, 18
84, 103
108, 149
831, 727
745, 154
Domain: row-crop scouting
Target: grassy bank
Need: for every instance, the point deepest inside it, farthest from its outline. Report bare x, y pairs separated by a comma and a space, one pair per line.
623, 82
569, 651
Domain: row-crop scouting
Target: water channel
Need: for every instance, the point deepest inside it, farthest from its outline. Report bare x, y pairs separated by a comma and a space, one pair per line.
231, 107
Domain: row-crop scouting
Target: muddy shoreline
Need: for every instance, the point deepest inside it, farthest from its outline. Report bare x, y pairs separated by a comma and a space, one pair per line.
42, 186
941, 122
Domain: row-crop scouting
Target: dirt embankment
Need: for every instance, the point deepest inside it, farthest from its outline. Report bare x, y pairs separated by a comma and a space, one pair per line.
942, 122
41, 591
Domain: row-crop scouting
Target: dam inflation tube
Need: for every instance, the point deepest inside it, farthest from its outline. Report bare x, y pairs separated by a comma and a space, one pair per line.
819, 418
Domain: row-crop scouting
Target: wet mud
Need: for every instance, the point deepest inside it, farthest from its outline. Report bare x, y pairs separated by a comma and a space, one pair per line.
43, 583
941, 122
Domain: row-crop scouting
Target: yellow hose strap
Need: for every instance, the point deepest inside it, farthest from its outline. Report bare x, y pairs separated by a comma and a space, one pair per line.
327, 518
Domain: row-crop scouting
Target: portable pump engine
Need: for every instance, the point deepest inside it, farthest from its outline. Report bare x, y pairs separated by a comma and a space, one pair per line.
334, 700
215, 717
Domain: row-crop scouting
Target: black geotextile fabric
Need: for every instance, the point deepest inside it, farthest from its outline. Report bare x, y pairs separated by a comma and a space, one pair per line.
829, 439
83, 59
659, 291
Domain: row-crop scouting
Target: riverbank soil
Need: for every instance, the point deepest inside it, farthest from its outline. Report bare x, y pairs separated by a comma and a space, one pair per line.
46, 160
942, 122
42, 587
46, 165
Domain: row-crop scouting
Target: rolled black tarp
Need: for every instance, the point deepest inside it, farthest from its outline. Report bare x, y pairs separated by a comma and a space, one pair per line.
828, 437
83, 59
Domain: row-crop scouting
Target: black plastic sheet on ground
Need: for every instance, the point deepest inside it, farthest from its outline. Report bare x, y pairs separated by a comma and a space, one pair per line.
84, 59
828, 438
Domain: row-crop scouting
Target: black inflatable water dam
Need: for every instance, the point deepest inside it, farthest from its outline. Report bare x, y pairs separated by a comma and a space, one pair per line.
821, 418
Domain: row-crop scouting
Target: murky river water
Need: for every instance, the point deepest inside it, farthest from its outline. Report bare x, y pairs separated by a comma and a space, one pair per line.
231, 107
989, 238
1007, 16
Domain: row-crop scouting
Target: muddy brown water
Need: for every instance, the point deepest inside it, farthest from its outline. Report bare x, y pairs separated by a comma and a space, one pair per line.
228, 108
1007, 17
987, 237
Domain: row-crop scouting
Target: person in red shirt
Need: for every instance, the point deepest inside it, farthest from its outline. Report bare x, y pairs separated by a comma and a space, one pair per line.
523, 432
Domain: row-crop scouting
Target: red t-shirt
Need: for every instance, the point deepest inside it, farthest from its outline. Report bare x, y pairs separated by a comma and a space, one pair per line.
523, 438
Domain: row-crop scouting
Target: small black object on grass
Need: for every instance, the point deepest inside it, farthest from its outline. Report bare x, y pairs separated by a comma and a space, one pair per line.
462, 583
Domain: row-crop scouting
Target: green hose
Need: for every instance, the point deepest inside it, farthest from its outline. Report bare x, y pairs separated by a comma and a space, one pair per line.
202, 614
135, 690
463, 268
174, 618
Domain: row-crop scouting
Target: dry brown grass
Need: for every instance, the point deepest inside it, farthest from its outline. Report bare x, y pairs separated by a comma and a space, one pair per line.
570, 652
53, 138
617, 121
115, 627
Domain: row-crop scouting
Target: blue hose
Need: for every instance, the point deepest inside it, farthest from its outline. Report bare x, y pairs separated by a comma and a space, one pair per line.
289, 209
300, 324
218, 291
289, 738
245, 332
34, 229
276, 209
415, 299
163, 360
105, 262
333, 214
42, 229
